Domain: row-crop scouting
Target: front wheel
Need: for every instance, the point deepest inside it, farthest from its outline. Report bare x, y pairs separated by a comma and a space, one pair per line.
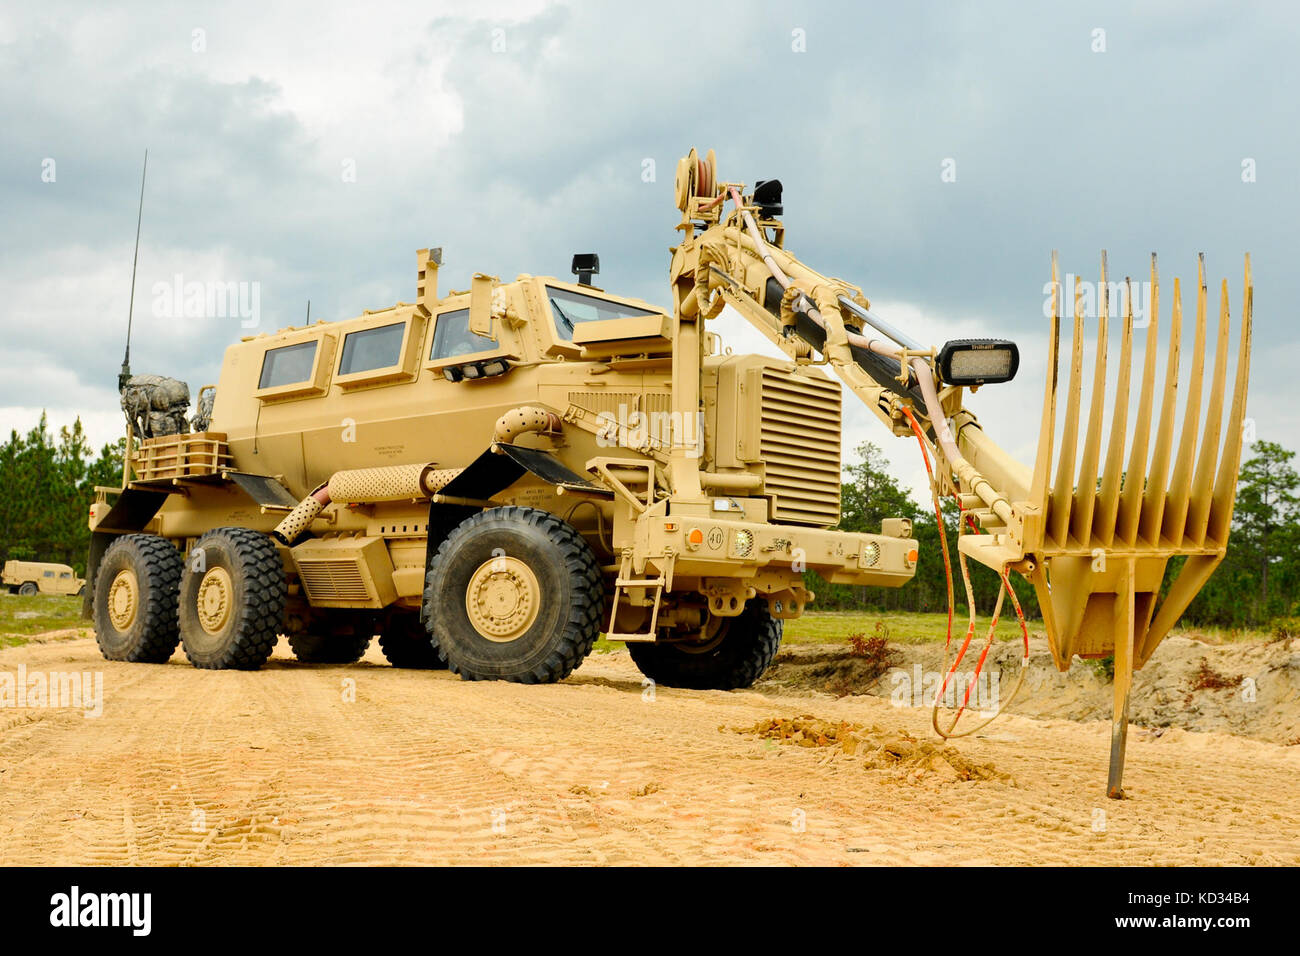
28, 589
731, 652
514, 594
232, 600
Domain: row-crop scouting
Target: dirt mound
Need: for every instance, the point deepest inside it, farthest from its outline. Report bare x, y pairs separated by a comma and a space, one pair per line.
1249, 688
897, 751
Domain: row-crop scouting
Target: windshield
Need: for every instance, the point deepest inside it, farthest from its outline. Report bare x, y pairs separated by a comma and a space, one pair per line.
570, 308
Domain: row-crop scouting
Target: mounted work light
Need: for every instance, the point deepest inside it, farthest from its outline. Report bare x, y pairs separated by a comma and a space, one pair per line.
978, 361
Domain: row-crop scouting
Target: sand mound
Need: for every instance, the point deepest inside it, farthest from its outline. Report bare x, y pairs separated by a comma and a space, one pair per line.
879, 749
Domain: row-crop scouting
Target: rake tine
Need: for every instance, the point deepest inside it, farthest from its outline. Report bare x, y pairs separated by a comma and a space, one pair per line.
1153, 496
1047, 430
1126, 525
1109, 495
1063, 489
1175, 517
1199, 509
1085, 495
1225, 485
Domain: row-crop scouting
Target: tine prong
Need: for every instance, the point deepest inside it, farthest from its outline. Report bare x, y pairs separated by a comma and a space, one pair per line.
1063, 488
1174, 521
1110, 482
1153, 497
1126, 524
1225, 484
1202, 485
1085, 495
1047, 430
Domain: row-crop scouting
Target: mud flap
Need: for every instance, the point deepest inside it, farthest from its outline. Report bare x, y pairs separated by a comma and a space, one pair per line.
489, 474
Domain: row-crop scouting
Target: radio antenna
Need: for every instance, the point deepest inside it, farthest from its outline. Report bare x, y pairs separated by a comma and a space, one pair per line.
130, 314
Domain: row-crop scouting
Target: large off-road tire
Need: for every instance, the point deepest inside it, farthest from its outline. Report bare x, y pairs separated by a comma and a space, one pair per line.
28, 588
734, 655
334, 637
232, 600
407, 643
134, 606
514, 594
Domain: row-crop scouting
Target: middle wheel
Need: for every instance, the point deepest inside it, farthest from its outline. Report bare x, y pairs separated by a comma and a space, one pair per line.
333, 636
514, 594
232, 599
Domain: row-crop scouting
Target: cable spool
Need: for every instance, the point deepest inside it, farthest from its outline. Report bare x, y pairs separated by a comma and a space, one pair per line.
696, 178
706, 183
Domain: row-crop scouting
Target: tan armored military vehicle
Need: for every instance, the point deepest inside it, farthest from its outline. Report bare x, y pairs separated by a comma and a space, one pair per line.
41, 577
490, 478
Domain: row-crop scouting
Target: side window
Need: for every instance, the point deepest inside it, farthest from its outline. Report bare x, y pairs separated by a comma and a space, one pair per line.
47, 574
372, 348
66, 574
287, 365
452, 337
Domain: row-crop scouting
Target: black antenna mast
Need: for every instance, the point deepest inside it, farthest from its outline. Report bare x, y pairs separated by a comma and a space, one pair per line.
126, 357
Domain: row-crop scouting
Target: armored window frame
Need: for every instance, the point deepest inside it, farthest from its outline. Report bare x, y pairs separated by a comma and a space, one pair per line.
440, 319
317, 381
403, 369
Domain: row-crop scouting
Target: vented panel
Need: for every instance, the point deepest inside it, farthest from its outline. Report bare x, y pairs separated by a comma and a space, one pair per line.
800, 446
336, 579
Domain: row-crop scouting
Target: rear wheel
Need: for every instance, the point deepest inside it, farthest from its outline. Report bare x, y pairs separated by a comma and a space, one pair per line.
334, 637
407, 643
134, 605
514, 594
232, 600
731, 652
28, 589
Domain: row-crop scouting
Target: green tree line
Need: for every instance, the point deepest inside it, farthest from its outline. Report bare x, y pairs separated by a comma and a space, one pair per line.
49, 483
1258, 581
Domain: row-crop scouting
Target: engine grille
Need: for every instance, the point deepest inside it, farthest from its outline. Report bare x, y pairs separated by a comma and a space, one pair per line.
800, 445
334, 580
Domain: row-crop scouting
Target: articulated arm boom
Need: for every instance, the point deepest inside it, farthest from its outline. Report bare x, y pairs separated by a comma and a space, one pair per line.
1095, 538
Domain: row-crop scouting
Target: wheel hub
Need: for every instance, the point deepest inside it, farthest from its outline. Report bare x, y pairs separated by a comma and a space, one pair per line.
216, 592
123, 599
707, 638
502, 599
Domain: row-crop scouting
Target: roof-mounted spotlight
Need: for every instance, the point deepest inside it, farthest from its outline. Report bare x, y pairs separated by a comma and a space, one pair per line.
767, 197
586, 265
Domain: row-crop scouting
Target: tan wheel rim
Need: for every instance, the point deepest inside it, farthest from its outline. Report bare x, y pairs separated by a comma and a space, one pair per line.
123, 599
503, 599
216, 593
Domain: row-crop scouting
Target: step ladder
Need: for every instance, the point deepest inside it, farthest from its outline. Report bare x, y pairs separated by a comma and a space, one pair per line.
658, 585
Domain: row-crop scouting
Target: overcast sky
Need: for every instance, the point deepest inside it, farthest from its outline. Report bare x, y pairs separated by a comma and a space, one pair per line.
933, 154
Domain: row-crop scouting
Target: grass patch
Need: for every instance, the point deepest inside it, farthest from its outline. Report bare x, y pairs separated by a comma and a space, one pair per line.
21, 617
837, 627
901, 627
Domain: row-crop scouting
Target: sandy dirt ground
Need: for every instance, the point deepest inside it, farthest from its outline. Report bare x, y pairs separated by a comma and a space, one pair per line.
367, 764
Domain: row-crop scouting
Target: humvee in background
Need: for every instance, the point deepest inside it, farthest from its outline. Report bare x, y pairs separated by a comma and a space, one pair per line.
41, 577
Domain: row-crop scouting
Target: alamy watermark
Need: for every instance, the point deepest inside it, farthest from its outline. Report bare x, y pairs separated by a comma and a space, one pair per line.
179, 299
919, 688
632, 428
1091, 296
82, 690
